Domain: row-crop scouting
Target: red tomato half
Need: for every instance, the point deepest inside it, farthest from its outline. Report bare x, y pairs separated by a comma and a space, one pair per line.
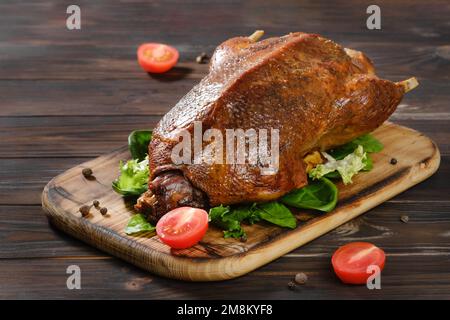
157, 57
182, 227
350, 262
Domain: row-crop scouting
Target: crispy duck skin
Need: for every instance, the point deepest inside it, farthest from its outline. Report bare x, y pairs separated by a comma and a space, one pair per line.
318, 94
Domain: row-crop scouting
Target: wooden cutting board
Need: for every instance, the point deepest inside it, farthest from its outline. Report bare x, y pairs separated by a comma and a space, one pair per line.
216, 258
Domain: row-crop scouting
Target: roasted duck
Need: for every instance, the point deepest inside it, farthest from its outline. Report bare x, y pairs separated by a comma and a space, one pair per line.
318, 94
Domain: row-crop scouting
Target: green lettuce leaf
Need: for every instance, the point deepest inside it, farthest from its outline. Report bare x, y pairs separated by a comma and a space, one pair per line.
347, 167
133, 179
320, 195
368, 163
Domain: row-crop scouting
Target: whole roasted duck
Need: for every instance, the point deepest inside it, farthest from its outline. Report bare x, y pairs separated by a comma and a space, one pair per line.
318, 94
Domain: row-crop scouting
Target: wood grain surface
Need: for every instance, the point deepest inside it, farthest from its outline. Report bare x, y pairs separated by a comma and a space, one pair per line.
216, 258
70, 96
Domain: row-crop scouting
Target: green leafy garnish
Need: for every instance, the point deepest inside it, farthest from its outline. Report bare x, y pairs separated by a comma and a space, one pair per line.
347, 167
341, 152
229, 218
228, 221
138, 223
368, 163
276, 213
369, 143
320, 195
133, 179
138, 142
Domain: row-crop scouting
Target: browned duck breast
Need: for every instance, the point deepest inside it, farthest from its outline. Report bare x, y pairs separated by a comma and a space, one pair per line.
316, 93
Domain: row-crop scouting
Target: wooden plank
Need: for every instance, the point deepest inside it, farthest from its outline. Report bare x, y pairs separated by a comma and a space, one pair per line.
26, 233
38, 46
404, 277
421, 62
33, 137
24, 179
154, 97
106, 21
216, 258
100, 97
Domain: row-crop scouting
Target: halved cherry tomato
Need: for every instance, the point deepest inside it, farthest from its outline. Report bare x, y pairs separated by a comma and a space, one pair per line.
157, 57
182, 227
350, 261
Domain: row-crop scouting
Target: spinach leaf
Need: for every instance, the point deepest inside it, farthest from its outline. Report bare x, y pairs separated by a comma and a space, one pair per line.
234, 233
341, 152
276, 213
138, 142
133, 179
369, 143
321, 195
229, 222
333, 175
138, 223
229, 218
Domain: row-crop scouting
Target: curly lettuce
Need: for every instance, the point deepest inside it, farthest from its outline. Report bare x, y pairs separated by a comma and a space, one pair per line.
133, 179
346, 167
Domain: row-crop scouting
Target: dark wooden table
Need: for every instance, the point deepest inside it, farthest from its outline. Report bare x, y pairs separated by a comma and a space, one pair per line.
69, 96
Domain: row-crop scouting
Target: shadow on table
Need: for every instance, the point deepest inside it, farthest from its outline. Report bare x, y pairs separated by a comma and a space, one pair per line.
175, 74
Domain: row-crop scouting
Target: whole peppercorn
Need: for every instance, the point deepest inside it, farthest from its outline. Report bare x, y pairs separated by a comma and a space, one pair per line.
301, 278
202, 58
96, 204
393, 161
87, 172
292, 285
404, 219
103, 211
84, 210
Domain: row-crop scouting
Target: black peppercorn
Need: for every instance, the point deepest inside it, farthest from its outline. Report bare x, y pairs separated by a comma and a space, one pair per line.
292, 285
85, 210
404, 219
393, 161
87, 172
301, 278
202, 58
96, 203
103, 211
